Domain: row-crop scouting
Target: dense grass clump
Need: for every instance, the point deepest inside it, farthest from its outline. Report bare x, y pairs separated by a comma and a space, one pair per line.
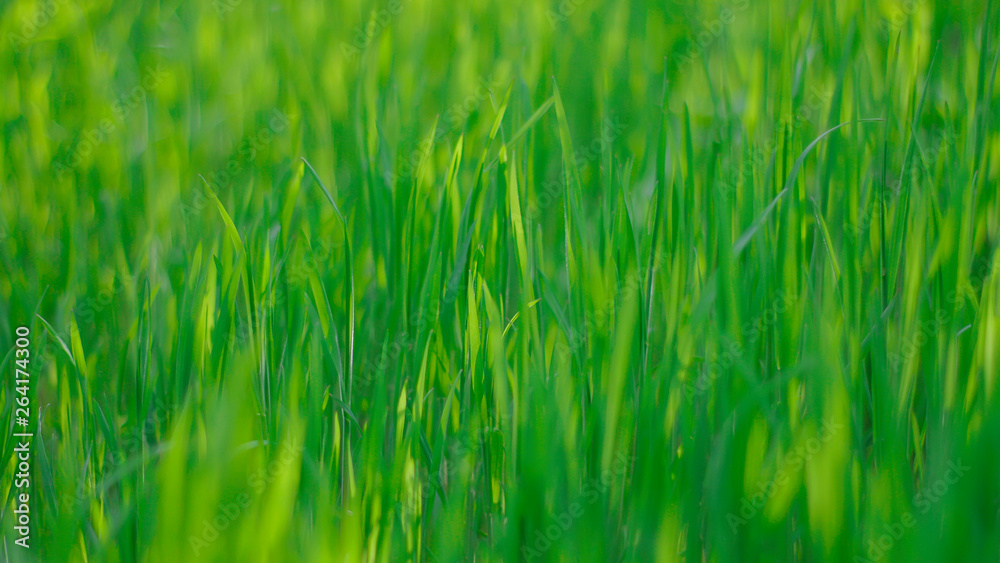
546, 281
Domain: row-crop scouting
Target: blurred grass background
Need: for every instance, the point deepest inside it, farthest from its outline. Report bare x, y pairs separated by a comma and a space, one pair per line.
577, 280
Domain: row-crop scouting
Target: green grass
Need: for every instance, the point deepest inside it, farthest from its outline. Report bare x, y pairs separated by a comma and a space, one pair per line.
542, 281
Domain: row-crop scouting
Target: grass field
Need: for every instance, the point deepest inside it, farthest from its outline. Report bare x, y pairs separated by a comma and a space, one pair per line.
553, 280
